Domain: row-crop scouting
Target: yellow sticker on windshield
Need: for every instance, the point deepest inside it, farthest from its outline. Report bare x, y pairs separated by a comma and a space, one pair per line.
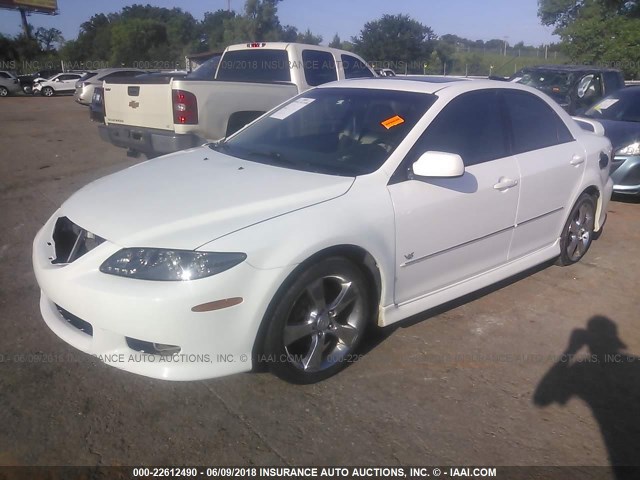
392, 122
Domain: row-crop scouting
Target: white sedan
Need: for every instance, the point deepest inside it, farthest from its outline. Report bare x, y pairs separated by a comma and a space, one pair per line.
357, 203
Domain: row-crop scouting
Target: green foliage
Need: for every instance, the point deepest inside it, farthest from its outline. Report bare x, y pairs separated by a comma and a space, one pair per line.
309, 38
394, 40
600, 32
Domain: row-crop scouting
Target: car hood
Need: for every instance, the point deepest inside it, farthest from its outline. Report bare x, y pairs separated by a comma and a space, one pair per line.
190, 198
620, 133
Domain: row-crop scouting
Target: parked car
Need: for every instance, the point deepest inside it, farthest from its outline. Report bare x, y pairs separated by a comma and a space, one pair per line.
354, 204
158, 116
385, 72
58, 84
85, 85
8, 83
575, 87
619, 114
27, 81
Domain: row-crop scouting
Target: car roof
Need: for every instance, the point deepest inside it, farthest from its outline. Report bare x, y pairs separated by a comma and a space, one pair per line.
568, 68
427, 84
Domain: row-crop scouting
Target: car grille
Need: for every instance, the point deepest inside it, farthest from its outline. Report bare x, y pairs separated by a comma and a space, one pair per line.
71, 241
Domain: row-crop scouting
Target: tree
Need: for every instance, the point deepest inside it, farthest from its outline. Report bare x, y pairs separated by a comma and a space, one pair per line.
395, 40
605, 32
211, 35
309, 38
47, 37
336, 42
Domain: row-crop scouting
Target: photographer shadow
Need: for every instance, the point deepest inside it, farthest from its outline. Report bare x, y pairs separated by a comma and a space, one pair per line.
608, 380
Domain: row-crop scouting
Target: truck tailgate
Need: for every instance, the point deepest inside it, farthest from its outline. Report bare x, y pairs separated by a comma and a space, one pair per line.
141, 104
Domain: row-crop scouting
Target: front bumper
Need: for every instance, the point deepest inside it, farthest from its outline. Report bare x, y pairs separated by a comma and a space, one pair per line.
111, 315
625, 173
149, 141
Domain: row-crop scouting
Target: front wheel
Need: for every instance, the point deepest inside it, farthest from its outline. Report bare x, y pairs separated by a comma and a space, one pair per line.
318, 322
578, 234
4, 92
47, 92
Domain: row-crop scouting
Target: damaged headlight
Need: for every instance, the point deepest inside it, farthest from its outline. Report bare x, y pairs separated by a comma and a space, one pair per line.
169, 265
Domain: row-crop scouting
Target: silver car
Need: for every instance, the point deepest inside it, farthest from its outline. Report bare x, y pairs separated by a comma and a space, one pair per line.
9, 84
94, 78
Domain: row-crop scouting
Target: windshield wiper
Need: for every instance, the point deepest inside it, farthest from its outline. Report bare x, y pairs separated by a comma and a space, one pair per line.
277, 157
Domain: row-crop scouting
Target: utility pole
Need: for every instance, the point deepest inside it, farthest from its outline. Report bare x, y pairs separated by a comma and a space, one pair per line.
228, 5
25, 24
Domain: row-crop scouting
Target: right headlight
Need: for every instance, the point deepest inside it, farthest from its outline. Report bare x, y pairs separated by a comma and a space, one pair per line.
169, 265
633, 149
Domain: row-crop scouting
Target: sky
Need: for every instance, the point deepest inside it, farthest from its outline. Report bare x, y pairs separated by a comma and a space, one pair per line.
474, 19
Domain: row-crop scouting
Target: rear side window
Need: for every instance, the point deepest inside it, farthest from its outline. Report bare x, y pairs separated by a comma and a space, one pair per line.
354, 68
534, 124
4, 75
319, 67
470, 125
259, 65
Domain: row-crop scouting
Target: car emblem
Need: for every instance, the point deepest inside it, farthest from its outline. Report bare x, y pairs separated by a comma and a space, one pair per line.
134, 104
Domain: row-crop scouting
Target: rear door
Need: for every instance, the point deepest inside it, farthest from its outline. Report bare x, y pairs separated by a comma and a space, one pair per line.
551, 166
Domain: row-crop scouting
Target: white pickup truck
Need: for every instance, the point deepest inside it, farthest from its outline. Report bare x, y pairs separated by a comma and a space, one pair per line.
160, 115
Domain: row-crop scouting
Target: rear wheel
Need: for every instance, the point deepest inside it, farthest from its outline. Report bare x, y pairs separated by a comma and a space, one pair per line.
578, 231
319, 322
47, 92
4, 92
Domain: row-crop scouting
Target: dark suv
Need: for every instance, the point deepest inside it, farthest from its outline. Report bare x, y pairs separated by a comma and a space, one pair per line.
575, 87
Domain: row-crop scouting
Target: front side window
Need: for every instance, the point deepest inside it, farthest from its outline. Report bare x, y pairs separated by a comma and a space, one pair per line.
319, 67
336, 131
534, 124
470, 125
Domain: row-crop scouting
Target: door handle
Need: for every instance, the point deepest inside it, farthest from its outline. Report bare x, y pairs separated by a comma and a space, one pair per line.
577, 160
505, 183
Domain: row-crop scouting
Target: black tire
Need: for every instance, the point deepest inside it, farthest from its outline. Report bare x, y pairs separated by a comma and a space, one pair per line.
4, 92
318, 322
577, 234
48, 92
27, 90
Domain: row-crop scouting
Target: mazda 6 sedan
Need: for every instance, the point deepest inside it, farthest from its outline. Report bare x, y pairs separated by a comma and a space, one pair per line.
355, 204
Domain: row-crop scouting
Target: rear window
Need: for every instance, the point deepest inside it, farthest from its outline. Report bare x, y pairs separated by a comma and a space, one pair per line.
259, 65
88, 75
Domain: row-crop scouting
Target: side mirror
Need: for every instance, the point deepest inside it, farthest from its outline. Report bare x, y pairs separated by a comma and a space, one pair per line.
438, 164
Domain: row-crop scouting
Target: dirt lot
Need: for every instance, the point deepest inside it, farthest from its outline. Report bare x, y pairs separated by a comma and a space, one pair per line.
453, 387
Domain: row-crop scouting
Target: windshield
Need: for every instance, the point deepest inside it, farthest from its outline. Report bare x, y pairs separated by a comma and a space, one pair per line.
624, 105
549, 81
337, 131
206, 71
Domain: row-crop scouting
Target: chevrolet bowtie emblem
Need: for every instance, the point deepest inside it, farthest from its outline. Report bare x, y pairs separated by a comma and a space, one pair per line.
134, 104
